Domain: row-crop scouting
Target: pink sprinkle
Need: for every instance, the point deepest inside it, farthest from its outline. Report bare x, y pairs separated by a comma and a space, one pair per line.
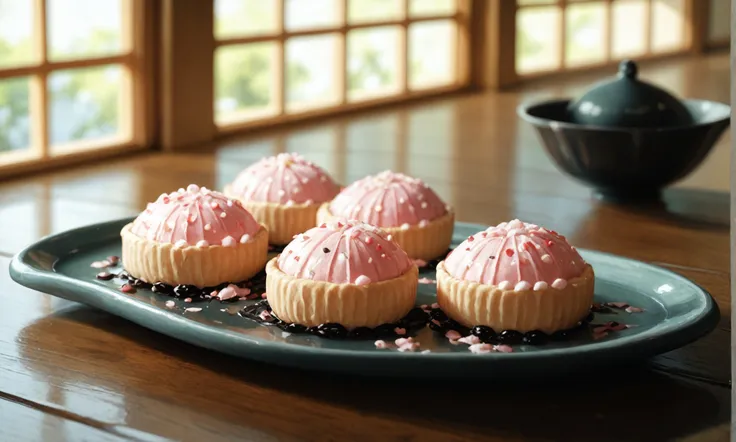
170, 304
481, 348
503, 348
471, 239
427, 281
509, 252
127, 288
362, 280
617, 304
264, 295
634, 310
101, 264
113, 260
420, 262
381, 344
400, 331
453, 335
403, 341
470, 340
213, 293
188, 300
226, 293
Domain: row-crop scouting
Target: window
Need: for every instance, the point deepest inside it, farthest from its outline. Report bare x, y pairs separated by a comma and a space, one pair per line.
280, 59
67, 78
557, 35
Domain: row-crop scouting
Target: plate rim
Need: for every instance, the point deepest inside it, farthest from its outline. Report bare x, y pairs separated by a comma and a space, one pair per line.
647, 342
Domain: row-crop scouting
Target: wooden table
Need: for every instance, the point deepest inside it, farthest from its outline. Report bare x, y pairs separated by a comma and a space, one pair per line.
69, 372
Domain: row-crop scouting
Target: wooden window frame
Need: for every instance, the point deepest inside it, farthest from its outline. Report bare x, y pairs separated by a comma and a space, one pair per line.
188, 118
500, 71
136, 130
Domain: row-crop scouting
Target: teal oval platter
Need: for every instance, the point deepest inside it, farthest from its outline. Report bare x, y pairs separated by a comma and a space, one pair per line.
676, 312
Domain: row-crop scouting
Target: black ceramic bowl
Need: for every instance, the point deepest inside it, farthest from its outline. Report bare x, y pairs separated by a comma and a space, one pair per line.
627, 163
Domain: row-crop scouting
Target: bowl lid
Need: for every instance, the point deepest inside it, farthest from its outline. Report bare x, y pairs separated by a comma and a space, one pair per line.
627, 101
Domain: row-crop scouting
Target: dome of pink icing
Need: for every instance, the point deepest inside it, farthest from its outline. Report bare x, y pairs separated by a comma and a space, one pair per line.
344, 252
195, 217
516, 255
285, 178
389, 200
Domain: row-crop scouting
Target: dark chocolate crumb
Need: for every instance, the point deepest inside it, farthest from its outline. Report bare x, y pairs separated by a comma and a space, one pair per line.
105, 276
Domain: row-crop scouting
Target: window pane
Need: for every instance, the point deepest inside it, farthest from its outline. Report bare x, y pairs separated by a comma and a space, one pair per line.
373, 62
245, 17
84, 103
245, 82
431, 7
84, 28
306, 14
719, 20
585, 29
16, 32
374, 10
311, 69
14, 114
537, 39
668, 25
629, 28
432, 53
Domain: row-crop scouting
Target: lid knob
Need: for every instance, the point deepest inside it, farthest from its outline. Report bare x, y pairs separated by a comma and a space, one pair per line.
627, 69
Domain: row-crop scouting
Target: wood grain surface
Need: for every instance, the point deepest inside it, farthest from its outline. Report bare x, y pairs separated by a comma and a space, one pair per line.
70, 372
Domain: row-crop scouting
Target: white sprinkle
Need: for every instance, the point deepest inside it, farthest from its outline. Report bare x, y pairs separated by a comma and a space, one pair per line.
244, 239
540, 285
481, 348
414, 346
207, 227
389, 237
405, 226
229, 203
171, 225
362, 280
504, 285
101, 264
425, 351
192, 309
193, 188
296, 190
470, 340
380, 344
223, 215
308, 202
403, 341
378, 208
180, 244
202, 243
521, 286
423, 223
305, 180
281, 192
559, 283
370, 260
424, 204
342, 257
214, 205
228, 241
546, 258
170, 304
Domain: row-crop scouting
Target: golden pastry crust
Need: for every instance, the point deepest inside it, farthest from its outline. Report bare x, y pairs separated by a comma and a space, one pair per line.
282, 221
548, 310
199, 266
425, 242
311, 303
